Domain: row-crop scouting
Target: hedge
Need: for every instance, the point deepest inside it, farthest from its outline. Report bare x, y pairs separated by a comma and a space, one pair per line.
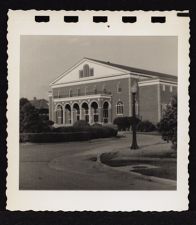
146, 126
125, 122
91, 133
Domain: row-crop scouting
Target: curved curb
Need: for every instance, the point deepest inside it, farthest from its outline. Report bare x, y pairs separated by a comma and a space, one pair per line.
145, 177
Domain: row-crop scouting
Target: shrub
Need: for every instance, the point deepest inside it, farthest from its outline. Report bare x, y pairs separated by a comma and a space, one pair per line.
81, 124
168, 124
124, 123
97, 125
83, 134
146, 126
54, 137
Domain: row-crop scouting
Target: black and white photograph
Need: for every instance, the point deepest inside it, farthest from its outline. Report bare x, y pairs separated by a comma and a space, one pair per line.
98, 113
101, 113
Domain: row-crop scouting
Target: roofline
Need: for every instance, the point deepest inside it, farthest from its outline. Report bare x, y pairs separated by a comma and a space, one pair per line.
79, 62
157, 81
142, 73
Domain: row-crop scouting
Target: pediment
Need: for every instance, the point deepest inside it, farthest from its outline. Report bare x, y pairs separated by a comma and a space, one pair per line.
98, 70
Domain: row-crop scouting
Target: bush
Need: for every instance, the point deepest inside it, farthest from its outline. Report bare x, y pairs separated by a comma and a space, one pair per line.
81, 124
168, 124
97, 125
124, 123
54, 137
146, 126
65, 135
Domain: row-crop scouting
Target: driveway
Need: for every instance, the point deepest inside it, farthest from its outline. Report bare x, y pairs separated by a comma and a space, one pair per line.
73, 166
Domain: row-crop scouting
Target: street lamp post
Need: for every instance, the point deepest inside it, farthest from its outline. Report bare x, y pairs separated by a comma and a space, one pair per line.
134, 122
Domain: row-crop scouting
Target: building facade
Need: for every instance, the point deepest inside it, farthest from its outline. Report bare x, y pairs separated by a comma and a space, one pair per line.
98, 92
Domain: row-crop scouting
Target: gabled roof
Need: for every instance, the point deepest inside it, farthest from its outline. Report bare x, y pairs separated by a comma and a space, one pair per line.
136, 70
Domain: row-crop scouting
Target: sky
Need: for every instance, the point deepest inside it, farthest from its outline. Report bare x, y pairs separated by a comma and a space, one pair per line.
44, 58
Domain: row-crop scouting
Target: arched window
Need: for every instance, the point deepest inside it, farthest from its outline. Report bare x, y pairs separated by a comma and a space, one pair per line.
105, 112
119, 108
86, 70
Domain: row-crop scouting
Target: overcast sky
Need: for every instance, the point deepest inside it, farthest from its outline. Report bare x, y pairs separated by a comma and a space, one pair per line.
44, 58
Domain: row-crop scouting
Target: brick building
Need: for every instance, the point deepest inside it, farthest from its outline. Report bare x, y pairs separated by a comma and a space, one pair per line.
98, 92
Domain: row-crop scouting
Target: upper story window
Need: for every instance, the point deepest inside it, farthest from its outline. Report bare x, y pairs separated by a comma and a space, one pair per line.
171, 88
70, 93
78, 92
91, 71
95, 89
86, 90
86, 71
119, 89
104, 88
163, 87
119, 108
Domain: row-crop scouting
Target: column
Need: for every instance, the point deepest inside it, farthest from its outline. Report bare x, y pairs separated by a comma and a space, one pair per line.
90, 115
63, 114
100, 113
80, 112
72, 120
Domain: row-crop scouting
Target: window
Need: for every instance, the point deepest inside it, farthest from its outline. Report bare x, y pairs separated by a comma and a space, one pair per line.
119, 89
171, 88
86, 90
95, 89
119, 108
104, 88
86, 71
163, 87
163, 108
70, 93
91, 71
78, 92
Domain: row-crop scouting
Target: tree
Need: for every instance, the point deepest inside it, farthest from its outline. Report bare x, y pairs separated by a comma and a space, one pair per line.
30, 120
168, 124
125, 122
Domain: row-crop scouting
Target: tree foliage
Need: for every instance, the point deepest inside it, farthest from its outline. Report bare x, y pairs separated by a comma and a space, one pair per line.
125, 122
30, 120
168, 124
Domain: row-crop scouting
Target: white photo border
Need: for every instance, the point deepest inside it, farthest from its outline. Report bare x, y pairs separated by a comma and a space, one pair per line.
23, 23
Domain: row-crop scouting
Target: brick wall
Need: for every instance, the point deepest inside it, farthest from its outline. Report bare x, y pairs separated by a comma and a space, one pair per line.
148, 103
167, 94
111, 86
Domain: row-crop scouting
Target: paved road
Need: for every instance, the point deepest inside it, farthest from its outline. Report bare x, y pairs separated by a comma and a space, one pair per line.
71, 166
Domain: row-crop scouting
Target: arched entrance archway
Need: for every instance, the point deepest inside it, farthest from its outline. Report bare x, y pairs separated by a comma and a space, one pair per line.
67, 114
94, 112
85, 111
76, 112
